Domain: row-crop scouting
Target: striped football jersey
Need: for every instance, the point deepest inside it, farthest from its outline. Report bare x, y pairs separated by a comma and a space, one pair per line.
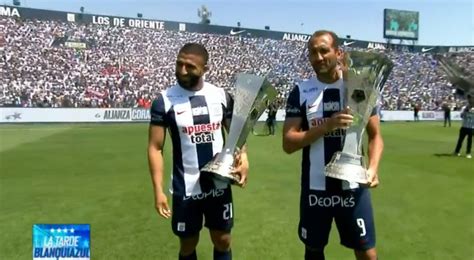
314, 102
195, 122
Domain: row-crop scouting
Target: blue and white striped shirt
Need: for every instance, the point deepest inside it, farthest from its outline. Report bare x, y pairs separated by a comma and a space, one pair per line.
468, 117
195, 122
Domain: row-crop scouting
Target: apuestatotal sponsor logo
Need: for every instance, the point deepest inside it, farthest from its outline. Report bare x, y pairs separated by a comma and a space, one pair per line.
202, 133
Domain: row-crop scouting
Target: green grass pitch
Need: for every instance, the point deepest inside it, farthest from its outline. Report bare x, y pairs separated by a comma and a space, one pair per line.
98, 174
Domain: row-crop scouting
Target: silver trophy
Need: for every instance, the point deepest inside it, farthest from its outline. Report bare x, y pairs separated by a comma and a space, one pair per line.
364, 77
253, 95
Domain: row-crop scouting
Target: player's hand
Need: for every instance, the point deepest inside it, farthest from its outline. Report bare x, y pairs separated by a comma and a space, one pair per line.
241, 168
342, 119
161, 205
373, 178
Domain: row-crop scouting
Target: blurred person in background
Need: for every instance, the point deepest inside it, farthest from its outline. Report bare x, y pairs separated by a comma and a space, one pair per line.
447, 114
271, 118
467, 127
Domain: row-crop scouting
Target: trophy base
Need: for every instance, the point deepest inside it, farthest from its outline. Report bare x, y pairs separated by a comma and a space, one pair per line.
348, 167
229, 178
222, 169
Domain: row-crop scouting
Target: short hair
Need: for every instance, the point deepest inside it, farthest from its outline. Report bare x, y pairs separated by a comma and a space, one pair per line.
195, 48
335, 38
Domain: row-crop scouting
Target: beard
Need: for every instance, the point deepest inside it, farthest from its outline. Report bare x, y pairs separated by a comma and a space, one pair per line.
188, 82
321, 69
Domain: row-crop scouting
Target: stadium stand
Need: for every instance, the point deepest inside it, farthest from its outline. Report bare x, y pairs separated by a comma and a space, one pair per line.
127, 67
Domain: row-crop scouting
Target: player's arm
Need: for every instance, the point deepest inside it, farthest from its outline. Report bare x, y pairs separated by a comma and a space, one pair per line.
375, 148
294, 138
464, 111
156, 141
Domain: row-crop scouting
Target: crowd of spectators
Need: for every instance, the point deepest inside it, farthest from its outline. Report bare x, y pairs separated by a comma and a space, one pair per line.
127, 67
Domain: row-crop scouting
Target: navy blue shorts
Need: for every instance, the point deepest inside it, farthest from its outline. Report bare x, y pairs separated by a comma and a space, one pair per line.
215, 207
352, 211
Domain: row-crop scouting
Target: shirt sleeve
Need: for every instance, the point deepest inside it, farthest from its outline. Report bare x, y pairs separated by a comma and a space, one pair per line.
378, 106
293, 106
375, 110
158, 112
229, 108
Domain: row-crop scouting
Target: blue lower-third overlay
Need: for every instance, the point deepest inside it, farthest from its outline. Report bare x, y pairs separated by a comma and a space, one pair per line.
61, 241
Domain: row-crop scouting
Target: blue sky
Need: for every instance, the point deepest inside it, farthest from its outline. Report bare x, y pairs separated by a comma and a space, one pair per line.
442, 22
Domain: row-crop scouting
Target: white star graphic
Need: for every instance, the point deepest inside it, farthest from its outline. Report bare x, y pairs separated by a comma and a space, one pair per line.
58, 230
71, 230
52, 230
65, 230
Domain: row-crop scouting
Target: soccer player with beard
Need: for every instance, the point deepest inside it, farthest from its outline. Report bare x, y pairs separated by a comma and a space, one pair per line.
195, 113
315, 122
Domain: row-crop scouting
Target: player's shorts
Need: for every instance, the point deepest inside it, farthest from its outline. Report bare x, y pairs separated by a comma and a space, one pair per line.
215, 207
352, 211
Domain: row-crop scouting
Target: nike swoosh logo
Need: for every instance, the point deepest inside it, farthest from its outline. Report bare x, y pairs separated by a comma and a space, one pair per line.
180, 112
232, 32
311, 106
347, 43
426, 49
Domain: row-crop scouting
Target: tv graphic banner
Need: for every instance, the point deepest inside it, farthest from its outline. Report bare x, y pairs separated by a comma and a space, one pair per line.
61, 241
